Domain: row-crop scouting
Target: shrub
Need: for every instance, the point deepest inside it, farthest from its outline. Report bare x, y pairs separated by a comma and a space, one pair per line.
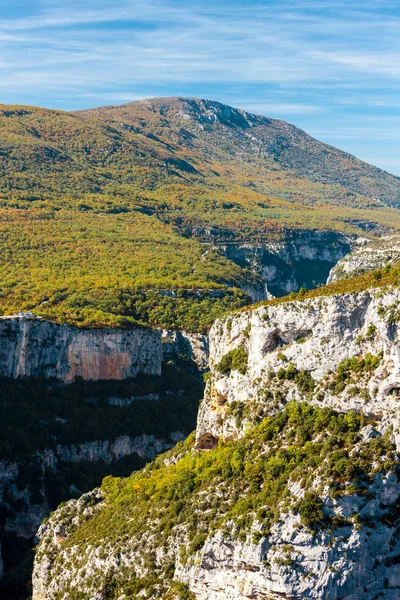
302, 378
207, 376
310, 510
197, 543
234, 360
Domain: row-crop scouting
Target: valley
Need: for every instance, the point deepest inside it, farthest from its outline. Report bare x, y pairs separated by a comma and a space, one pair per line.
164, 263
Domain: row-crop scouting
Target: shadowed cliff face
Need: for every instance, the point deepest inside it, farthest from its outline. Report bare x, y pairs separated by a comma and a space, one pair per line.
77, 405
303, 260
59, 441
32, 347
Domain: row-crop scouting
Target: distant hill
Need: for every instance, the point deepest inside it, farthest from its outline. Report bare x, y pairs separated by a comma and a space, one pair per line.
101, 205
193, 133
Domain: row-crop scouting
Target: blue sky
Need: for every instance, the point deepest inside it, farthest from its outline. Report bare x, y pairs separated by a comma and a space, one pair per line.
330, 67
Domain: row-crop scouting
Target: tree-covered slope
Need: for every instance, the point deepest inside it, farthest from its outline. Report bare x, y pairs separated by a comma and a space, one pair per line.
98, 207
204, 131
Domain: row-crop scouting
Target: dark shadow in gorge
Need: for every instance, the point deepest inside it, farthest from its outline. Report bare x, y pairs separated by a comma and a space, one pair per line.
37, 415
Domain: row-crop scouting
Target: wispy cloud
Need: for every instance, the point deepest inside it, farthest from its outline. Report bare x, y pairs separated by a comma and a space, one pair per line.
381, 63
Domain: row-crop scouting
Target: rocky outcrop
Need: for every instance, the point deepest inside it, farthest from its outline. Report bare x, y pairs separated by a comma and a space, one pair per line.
367, 256
313, 336
193, 347
304, 259
32, 347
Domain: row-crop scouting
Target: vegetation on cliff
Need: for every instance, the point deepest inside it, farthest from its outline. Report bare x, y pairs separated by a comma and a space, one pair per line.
240, 487
380, 278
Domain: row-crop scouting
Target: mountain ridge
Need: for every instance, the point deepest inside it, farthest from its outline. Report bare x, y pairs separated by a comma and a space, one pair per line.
211, 111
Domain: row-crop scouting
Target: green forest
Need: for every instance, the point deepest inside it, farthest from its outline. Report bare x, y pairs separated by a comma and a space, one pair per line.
104, 211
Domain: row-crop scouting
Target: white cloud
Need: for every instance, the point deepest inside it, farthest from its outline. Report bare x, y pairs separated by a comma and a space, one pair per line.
163, 41
379, 63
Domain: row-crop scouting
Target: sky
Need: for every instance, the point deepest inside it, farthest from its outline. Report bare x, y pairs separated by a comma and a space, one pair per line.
330, 67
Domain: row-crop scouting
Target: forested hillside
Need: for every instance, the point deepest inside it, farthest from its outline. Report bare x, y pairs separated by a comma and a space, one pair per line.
103, 212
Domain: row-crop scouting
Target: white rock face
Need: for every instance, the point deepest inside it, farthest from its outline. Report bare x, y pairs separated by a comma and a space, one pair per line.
314, 335
367, 256
33, 347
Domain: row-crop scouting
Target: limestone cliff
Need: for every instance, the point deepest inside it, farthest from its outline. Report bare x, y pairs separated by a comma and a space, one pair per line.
304, 259
292, 489
32, 347
367, 255
314, 336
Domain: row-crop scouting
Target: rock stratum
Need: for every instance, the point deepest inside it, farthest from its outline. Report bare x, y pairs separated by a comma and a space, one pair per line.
290, 487
33, 347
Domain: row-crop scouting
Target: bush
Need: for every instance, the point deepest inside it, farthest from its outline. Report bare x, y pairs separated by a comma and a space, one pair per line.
234, 360
302, 378
310, 510
197, 543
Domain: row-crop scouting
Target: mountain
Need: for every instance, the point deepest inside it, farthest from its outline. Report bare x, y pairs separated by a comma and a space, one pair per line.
290, 487
204, 131
174, 140
140, 213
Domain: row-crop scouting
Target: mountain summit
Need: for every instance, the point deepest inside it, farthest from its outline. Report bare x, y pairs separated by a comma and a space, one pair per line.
255, 138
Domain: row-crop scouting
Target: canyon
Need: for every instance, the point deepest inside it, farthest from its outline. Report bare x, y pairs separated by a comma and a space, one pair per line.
126, 232
303, 259
331, 531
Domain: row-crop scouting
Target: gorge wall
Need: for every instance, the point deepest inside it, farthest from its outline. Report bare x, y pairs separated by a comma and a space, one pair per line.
313, 336
30, 346
335, 523
304, 259
28, 487
78, 405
